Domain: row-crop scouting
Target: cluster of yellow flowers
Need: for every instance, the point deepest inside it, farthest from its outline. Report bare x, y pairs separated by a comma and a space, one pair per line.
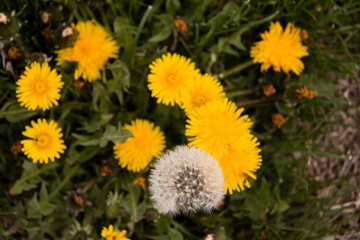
214, 123
39, 87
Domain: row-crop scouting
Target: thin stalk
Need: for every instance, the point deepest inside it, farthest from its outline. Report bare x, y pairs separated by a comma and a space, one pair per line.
240, 93
142, 23
237, 69
257, 101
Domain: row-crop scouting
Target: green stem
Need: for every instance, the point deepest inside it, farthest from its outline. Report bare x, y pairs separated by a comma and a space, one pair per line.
240, 93
237, 69
142, 23
257, 101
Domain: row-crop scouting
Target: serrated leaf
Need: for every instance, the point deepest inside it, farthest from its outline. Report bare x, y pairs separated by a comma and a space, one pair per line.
86, 140
114, 134
130, 203
256, 202
36, 208
14, 113
121, 74
30, 177
163, 28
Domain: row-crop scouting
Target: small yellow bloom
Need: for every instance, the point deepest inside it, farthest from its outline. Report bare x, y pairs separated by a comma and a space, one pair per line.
140, 182
180, 25
268, 90
110, 234
204, 89
278, 119
304, 92
169, 77
16, 147
39, 86
91, 50
281, 49
45, 142
137, 151
13, 53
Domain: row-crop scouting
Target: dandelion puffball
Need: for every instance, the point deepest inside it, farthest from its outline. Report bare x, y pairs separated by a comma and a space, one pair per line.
186, 179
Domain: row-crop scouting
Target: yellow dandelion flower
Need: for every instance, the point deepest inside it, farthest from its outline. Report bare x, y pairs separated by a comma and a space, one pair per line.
280, 48
204, 89
216, 126
39, 86
169, 77
137, 151
278, 119
91, 50
220, 130
238, 165
110, 234
45, 142
268, 90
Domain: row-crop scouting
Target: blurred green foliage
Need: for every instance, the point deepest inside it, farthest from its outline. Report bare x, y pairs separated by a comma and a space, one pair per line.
39, 201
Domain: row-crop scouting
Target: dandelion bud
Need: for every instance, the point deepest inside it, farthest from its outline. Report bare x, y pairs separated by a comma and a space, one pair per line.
186, 179
4, 19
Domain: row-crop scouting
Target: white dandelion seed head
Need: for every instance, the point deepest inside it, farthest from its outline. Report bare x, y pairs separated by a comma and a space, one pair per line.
186, 179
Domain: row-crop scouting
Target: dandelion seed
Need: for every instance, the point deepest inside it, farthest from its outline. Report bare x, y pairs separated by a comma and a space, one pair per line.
45, 143
280, 48
186, 179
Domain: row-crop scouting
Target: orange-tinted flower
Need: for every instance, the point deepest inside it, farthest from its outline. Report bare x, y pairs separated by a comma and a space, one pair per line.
140, 182
105, 170
304, 92
278, 119
78, 84
13, 53
16, 148
47, 33
180, 25
304, 34
268, 90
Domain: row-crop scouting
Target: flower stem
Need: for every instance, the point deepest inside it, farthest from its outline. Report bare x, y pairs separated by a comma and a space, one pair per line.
257, 101
236, 69
240, 93
142, 23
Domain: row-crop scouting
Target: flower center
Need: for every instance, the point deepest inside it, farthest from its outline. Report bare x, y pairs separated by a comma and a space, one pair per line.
199, 100
40, 86
172, 79
43, 140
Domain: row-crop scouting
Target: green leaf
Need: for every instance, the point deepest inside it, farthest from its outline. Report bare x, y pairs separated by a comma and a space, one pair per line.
36, 208
30, 177
14, 113
114, 134
86, 140
163, 28
130, 203
121, 74
256, 202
